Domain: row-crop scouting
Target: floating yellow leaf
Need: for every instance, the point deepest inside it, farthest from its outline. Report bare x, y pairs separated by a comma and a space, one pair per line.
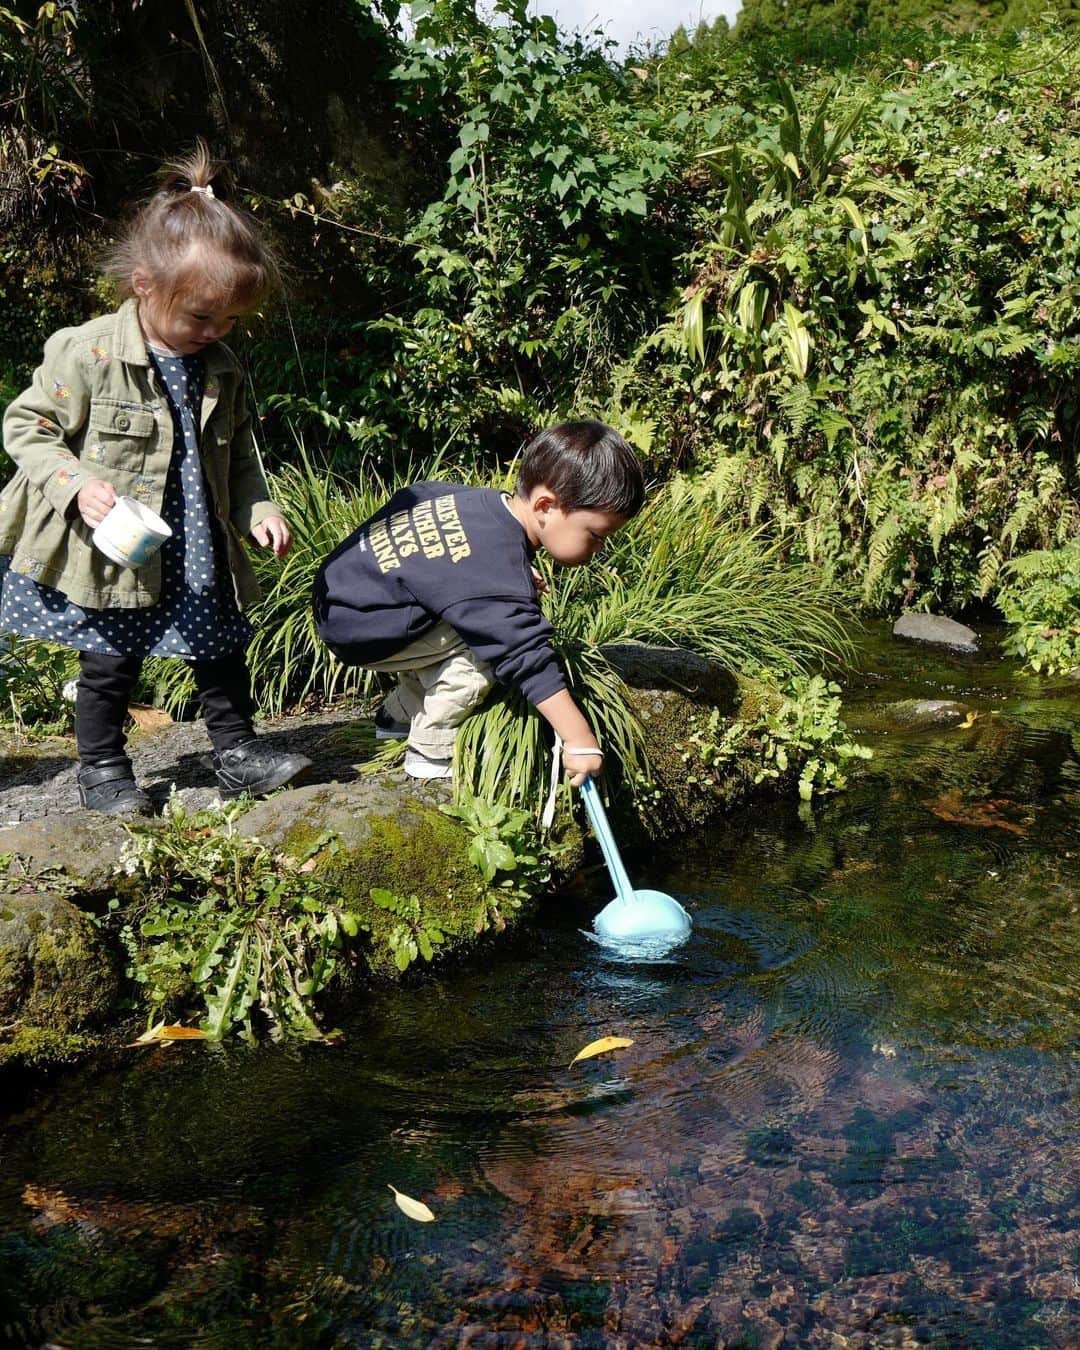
157, 1034
968, 722
148, 1037
415, 1209
601, 1047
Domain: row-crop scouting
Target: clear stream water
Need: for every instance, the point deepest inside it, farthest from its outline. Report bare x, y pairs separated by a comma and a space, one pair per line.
848, 1116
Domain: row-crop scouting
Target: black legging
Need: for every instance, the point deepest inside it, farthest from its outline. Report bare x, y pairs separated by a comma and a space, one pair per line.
104, 691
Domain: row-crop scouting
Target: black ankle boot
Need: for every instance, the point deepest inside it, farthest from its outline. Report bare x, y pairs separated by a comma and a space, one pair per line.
110, 787
256, 768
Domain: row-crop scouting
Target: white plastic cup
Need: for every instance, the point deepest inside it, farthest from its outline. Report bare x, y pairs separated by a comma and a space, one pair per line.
131, 533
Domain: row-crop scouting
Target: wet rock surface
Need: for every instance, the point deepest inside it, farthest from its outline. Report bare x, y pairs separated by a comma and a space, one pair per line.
937, 630
925, 712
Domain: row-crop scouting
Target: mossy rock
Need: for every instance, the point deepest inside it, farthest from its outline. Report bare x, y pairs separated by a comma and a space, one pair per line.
677, 669
57, 979
686, 800
375, 835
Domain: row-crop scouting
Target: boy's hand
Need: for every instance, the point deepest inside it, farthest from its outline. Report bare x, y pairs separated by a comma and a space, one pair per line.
581, 755
539, 582
272, 532
581, 764
95, 500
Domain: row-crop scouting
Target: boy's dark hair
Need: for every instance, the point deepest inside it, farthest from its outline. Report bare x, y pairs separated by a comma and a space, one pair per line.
587, 465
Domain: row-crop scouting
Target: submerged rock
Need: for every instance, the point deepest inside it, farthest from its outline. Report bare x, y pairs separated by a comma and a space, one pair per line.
936, 629
926, 712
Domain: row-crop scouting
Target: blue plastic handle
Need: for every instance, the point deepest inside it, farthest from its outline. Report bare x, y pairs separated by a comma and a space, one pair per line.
598, 818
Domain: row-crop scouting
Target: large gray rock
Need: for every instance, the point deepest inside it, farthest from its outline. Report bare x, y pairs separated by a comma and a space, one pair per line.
83, 847
675, 668
936, 629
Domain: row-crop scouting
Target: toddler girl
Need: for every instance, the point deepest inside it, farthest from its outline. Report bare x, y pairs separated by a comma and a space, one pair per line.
148, 403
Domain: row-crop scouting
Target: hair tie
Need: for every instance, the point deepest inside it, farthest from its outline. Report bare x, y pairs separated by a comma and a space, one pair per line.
208, 190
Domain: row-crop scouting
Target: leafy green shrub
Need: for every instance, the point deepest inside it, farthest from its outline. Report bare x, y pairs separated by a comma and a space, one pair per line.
804, 736
1041, 602
502, 841
32, 679
248, 933
411, 935
876, 346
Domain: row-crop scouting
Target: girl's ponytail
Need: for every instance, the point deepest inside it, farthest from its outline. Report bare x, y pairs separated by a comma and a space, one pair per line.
197, 172
189, 235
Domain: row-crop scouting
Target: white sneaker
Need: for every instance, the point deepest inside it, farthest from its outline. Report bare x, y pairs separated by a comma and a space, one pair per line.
418, 765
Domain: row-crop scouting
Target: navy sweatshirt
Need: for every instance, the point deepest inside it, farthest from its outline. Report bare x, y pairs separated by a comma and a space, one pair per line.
439, 551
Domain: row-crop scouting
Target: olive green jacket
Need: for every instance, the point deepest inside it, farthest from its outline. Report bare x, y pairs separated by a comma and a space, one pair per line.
96, 409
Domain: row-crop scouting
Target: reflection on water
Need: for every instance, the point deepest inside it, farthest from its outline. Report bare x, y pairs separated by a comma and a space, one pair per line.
848, 1112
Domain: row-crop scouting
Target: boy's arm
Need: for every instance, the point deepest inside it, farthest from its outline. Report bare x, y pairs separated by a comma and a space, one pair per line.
571, 725
515, 639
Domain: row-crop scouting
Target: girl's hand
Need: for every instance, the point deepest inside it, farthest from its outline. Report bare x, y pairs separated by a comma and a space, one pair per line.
273, 533
95, 500
581, 764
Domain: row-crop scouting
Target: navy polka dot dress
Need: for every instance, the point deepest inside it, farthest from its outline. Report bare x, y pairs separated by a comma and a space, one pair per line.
197, 616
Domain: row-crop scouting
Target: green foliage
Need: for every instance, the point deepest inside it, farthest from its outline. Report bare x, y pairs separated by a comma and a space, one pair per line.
804, 739
411, 935
503, 841
250, 934
533, 265
1041, 602
757, 17
32, 679
876, 348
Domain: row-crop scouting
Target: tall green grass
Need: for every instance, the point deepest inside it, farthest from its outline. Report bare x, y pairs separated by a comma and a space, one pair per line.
683, 573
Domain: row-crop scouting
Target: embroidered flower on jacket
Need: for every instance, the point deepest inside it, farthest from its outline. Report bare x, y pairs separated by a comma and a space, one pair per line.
45, 422
66, 476
100, 355
60, 391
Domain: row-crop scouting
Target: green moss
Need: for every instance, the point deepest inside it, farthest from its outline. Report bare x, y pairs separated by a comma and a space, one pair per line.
36, 1047
425, 855
13, 977
74, 981
668, 719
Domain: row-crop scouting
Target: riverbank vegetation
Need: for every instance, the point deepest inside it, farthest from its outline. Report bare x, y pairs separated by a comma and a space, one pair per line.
823, 274
832, 267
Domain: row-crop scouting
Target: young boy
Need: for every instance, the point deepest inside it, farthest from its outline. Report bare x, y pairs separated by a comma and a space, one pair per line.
439, 588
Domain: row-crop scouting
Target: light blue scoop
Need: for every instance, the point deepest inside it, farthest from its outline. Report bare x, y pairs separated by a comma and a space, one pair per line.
649, 920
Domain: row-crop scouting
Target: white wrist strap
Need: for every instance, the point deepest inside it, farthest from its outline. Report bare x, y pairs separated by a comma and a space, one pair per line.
548, 813
557, 752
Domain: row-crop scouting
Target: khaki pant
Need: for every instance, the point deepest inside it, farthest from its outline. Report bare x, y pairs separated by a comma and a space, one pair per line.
439, 682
